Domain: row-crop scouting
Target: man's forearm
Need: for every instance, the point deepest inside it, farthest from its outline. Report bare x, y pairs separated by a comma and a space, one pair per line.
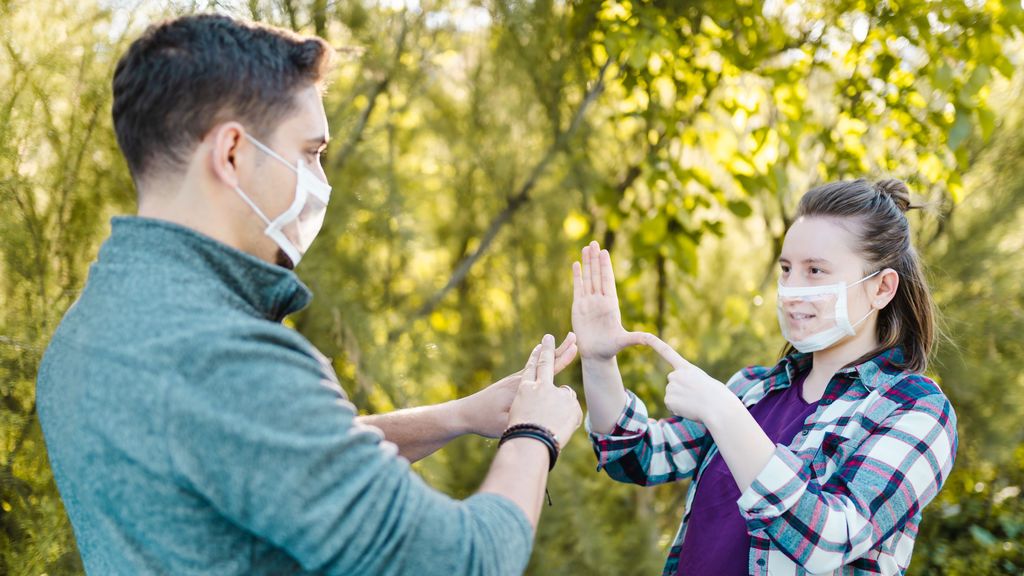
519, 472
419, 432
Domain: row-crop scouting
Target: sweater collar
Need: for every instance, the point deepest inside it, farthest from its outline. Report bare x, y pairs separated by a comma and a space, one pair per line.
272, 291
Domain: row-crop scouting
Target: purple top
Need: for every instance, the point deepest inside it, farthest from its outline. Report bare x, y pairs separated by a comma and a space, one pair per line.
716, 539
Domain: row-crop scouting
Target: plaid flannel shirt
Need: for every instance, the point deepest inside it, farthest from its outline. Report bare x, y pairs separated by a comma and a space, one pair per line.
844, 497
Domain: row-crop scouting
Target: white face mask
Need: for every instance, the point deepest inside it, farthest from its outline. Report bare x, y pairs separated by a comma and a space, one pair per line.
296, 227
819, 315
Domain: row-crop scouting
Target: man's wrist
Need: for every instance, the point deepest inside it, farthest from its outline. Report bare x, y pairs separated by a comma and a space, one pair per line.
535, 432
530, 448
461, 417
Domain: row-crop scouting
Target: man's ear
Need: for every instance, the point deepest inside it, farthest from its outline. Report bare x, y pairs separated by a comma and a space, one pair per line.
889, 281
225, 142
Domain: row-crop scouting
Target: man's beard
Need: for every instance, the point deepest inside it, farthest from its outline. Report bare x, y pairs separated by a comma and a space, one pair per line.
282, 259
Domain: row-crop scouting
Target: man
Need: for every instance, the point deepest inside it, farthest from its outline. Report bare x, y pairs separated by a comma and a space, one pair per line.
189, 431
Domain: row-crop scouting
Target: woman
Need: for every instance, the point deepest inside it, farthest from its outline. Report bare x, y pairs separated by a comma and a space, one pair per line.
821, 463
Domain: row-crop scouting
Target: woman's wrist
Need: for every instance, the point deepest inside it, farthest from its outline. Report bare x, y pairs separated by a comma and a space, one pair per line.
725, 409
597, 370
605, 393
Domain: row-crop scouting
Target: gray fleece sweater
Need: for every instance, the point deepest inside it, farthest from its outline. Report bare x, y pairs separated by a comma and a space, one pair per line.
190, 432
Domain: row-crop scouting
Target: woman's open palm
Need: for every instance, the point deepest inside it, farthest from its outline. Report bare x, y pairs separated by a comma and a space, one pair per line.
596, 319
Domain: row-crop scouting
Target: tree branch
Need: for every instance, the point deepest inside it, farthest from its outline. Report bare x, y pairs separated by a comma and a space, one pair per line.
289, 9
777, 240
17, 345
632, 173
515, 202
364, 117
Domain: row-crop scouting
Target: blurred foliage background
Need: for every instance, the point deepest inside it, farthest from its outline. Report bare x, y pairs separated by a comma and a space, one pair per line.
479, 144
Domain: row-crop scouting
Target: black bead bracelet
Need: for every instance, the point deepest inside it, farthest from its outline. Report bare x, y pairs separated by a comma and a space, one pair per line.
537, 432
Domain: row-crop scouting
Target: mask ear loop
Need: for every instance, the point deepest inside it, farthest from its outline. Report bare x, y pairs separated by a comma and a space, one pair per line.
253, 206
863, 318
263, 147
866, 278
854, 326
292, 209
269, 152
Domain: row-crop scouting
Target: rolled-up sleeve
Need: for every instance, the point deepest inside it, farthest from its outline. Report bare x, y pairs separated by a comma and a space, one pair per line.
884, 483
267, 437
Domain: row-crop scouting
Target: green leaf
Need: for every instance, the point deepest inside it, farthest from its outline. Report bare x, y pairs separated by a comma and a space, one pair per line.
987, 122
983, 536
684, 253
943, 78
961, 129
740, 208
978, 79
1004, 66
652, 232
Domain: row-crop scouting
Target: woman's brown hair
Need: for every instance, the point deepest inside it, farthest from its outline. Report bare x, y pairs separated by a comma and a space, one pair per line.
877, 212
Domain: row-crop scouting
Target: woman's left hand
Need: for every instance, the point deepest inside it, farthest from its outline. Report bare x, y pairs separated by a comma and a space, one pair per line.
690, 393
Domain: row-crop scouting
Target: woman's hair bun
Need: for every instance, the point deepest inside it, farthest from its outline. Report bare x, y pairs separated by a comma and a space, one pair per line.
897, 191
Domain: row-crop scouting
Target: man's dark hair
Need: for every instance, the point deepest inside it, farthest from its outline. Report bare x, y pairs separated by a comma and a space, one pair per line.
184, 76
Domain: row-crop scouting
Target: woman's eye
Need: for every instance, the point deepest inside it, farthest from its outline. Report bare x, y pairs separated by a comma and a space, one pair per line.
816, 270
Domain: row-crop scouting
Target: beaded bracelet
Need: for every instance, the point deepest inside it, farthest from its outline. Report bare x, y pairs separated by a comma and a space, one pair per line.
538, 433
541, 434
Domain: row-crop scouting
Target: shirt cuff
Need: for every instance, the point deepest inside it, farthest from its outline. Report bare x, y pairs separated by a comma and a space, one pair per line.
630, 427
777, 488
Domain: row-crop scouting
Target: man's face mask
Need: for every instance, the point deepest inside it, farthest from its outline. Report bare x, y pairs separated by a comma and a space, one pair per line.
294, 230
813, 318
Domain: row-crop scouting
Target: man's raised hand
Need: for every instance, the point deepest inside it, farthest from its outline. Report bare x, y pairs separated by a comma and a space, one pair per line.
539, 402
486, 412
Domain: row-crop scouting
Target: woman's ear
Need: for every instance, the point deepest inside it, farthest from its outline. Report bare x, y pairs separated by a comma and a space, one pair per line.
888, 282
225, 141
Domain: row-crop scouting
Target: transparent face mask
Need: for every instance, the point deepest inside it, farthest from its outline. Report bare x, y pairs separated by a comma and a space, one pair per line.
802, 315
813, 318
295, 229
